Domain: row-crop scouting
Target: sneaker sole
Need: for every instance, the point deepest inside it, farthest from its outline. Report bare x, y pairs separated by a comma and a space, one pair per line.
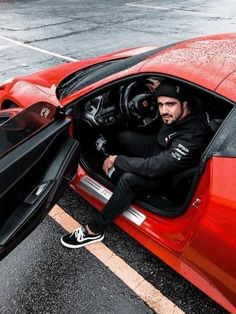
71, 246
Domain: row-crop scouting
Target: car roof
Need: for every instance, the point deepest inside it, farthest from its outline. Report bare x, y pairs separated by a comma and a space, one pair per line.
205, 61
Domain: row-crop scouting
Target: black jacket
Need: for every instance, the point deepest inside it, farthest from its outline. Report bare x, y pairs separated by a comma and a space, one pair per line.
182, 144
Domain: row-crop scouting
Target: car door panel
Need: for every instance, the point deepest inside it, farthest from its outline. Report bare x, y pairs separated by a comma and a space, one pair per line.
32, 178
212, 249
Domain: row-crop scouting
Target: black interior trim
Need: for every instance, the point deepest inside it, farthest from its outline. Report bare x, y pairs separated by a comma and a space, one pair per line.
52, 176
16, 163
43, 175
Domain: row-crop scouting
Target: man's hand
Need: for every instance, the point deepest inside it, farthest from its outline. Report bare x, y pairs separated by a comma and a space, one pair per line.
152, 84
109, 163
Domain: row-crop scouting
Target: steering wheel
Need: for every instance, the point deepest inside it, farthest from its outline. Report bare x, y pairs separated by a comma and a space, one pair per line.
141, 108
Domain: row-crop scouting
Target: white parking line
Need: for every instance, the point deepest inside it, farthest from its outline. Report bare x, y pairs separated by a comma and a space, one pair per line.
183, 11
147, 292
19, 43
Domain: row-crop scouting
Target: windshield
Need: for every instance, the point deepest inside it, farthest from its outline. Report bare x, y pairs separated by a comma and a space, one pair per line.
75, 80
97, 72
24, 124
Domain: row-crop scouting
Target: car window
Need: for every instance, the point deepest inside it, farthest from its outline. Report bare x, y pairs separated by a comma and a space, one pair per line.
226, 138
225, 141
24, 124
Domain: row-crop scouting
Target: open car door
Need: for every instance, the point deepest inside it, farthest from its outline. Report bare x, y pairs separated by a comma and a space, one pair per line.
38, 159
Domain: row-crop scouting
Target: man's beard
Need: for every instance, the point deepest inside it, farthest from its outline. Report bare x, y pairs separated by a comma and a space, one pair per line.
168, 117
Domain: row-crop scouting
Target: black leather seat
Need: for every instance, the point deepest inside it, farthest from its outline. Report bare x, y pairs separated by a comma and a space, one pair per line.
184, 176
215, 124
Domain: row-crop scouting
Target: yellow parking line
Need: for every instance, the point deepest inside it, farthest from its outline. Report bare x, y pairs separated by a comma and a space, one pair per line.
149, 294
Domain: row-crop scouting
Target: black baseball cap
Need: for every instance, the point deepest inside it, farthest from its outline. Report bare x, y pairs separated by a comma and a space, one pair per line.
170, 89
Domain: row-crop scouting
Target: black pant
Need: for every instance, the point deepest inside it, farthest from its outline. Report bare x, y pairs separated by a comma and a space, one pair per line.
129, 184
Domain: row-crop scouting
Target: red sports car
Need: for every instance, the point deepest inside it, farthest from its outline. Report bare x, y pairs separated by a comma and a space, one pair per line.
71, 114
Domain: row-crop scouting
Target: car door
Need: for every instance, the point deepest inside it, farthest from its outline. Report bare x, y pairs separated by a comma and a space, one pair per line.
38, 159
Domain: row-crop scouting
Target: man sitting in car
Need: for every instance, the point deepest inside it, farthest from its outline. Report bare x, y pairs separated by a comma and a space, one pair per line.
149, 159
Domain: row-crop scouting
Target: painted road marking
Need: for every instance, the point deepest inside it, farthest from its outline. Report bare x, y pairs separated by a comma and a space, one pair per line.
19, 43
183, 11
149, 294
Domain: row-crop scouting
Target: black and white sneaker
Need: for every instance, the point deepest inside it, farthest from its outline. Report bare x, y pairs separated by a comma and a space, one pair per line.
80, 237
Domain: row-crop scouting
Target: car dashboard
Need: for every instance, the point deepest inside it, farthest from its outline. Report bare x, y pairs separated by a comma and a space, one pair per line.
102, 111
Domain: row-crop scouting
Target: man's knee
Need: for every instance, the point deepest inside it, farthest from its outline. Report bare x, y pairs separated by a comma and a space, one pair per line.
128, 180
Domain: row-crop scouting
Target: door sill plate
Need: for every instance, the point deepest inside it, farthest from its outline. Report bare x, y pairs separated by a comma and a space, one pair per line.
102, 194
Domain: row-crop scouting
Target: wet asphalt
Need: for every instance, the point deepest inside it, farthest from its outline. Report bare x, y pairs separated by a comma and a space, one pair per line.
41, 276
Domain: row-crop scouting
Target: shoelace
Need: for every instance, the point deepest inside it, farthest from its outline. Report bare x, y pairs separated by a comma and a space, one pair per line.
79, 234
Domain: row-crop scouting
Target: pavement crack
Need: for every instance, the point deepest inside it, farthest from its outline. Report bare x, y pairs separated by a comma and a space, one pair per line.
60, 36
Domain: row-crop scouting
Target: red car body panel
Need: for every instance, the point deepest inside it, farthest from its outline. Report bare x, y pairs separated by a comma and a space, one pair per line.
199, 244
227, 87
185, 61
204, 61
188, 243
41, 85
